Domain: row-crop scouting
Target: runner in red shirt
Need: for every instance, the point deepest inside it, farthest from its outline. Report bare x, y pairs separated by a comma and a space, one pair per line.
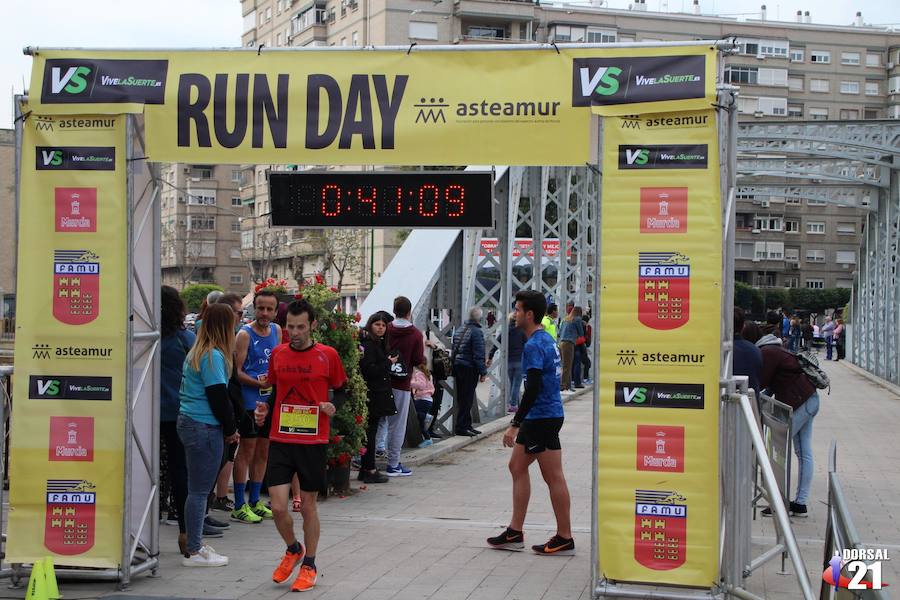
301, 373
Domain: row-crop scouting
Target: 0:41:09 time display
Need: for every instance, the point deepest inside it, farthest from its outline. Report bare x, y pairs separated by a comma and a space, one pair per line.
426, 200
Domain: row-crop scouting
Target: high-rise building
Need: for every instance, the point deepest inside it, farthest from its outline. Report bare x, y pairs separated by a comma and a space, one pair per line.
201, 228
786, 69
7, 231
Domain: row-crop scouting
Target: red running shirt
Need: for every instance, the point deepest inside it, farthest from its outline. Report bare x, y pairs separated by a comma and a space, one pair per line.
302, 379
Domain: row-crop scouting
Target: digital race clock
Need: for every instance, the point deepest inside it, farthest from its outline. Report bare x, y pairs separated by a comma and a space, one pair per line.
382, 199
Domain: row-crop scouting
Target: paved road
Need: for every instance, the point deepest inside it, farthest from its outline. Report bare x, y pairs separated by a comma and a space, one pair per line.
423, 536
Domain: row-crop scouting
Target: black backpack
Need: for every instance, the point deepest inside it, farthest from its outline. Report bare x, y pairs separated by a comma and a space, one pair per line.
441, 366
809, 366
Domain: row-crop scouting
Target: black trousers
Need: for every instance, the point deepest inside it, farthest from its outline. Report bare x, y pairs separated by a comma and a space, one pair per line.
466, 382
176, 468
368, 459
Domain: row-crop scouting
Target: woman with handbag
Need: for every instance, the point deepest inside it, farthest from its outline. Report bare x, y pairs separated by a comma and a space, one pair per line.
375, 367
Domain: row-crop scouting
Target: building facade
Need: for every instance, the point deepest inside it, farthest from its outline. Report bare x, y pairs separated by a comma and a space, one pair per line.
787, 70
201, 228
7, 230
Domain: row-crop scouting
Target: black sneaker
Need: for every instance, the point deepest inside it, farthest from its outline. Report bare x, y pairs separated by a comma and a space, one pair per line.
375, 476
224, 503
557, 546
508, 540
208, 520
798, 510
766, 512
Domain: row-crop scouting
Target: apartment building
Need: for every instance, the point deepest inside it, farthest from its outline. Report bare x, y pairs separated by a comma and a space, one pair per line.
201, 228
7, 230
787, 70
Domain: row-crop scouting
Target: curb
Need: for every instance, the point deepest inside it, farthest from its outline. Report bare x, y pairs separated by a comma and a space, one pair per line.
419, 456
884, 383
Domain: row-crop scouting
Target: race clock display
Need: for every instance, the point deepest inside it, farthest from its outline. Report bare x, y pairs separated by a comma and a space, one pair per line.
415, 199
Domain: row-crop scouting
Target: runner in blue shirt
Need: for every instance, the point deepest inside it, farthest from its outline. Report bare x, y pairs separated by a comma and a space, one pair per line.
534, 433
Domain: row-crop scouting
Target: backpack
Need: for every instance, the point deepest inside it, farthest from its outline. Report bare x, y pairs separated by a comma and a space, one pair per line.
441, 366
809, 366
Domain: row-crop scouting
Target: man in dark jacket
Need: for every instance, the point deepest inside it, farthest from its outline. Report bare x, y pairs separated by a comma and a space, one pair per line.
514, 372
747, 357
468, 369
782, 377
405, 341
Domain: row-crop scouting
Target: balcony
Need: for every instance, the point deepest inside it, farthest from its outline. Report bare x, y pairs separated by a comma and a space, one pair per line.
310, 26
505, 9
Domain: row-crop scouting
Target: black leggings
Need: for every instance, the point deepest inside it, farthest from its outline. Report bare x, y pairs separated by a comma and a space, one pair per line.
176, 468
368, 459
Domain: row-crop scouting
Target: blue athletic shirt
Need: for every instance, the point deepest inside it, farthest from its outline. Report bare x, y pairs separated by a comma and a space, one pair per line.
194, 402
541, 353
257, 363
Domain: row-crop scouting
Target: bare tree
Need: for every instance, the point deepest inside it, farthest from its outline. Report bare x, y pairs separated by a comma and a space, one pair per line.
183, 250
344, 253
266, 249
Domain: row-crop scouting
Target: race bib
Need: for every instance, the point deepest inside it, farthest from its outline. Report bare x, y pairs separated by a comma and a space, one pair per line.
299, 420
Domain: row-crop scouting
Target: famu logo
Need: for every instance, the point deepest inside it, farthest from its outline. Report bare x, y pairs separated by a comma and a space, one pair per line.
104, 81
664, 156
621, 80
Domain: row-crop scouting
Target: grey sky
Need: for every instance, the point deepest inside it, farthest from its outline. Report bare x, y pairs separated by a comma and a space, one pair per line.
217, 23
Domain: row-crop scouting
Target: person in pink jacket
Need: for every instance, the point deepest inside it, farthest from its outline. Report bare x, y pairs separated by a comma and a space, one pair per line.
422, 390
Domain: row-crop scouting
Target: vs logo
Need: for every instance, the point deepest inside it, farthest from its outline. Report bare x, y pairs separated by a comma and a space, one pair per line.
604, 81
52, 158
48, 387
73, 81
637, 156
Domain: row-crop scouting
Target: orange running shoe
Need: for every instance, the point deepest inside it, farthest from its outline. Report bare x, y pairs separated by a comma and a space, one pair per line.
306, 579
288, 563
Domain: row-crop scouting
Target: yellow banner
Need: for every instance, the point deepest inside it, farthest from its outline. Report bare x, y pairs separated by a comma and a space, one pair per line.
658, 485
387, 107
68, 433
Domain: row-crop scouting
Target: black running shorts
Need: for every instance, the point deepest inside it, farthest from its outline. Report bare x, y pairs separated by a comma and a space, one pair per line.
248, 428
307, 461
538, 435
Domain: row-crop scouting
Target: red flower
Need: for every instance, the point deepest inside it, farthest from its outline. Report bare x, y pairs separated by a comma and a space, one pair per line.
333, 289
362, 451
333, 326
320, 278
359, 419
298, 296
336, 439
357, 317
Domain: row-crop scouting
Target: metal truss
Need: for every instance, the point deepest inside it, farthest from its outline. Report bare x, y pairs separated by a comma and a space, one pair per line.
840, 195
827, 169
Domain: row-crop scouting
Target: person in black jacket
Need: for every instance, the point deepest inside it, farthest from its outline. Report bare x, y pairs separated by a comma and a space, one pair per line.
375, 366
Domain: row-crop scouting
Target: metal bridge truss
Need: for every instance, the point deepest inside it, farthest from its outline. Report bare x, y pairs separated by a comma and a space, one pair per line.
847, 163
537, 202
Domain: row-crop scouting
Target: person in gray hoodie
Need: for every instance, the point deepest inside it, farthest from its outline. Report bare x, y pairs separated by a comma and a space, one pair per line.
782, 377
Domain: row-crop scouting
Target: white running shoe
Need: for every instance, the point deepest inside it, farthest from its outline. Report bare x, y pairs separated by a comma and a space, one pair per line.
206, 557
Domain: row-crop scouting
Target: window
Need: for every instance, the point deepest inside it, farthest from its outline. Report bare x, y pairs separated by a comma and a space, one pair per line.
601, 36
849, 87
566, 33
247, 239
235, 175
844, 283
354, 39
816, 202
743, 250
236, 279
870, 114
872, 88
873, 60
791, 282
201, 223
894, 85
741, 74
249, 21
200, 250
766, 279
485, 32
201, 172
773, 48
849, 114
849, 58
845, 257
268, 14
822, 57
792, 254
795, 84
235, 253
815, 256
792, 200
343, 41
776, 77
235, 226
819, 85
815, 227
792, 226
773, 106
795, 110
894, 112
749, 47
797, 55
423, 31
815, 284
768, 223
818, 114
202, 197
235, 201
278, 39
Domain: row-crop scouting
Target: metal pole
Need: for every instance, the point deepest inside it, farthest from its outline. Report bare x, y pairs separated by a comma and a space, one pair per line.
595, 439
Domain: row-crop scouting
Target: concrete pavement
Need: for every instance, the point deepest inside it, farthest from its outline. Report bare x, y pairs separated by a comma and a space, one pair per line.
423, 536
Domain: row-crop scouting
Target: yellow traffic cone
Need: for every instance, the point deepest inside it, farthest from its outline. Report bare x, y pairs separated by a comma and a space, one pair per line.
50, 575
37, 583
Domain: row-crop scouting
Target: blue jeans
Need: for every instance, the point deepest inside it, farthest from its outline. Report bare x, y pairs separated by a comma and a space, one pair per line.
801, 423
381, 437
514, 370
829, 344
203, 447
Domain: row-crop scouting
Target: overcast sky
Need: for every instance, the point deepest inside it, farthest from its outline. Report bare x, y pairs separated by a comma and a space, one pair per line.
217, 23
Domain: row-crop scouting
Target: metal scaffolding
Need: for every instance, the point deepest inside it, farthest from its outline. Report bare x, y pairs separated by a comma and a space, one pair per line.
846, 163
